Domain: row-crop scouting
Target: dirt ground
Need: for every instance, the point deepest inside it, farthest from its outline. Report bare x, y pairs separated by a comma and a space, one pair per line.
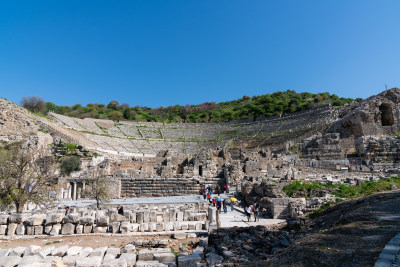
352, 233
96, 241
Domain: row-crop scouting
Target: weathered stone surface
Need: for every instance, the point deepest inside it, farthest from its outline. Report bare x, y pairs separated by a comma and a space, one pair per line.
38, 230
115, 227
129, 248
130, 258
98, 252
36, 219
20, 229
4, 252
86, 220
70, 260
60, 251
18, 251
17, 217
203, 242
146, 255
113, 251
74, 250
87, 229
53, 259
150, 264
79, 229
71, 218
189, 260
10, 261
164, 257
68, 229
3, 229
54, 218
31, 250
11, 229
85, 251
47, 229
26, 260
214, 259
115, 263
115, 217
55, 230
103, 221
45, 251
125, 227
91, 261
4, 218
98, 229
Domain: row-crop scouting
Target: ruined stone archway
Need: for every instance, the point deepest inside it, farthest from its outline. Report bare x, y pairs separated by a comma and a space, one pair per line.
386, 114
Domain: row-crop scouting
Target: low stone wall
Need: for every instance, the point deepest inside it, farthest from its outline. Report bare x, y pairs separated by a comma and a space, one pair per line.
85, 220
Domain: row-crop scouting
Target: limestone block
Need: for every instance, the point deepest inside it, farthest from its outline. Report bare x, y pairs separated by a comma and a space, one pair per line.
60, 251
203, 242
74, 250
44, 252
200, 217
130, 258
79, 229
47, 229
4, 219
115, 217
99, 229
134, 227
144, 227
10, 261
103, 221
191, 226
168, 226
132, 217
125, 227
146, 217
36, 219
20, 229
87, 229
214, 259
4, 252
115, 263
54, 261
3, 229
159, 227
115, 227
151, 227
184, 226
146, 255
186, 215
98, 252
68, 229
165, 216
27, 260
179, 216
70, 260
177, 226
38, 230
86, 220
189, 260
55, 230
164, 256
150, 264
31, 250
18, 251
11, 229
54, 218
198, 226
153, 216
109, 257
89, 262
180, 235
140, 217
113, 251
18, 217
85, 251
129, 248
71, 218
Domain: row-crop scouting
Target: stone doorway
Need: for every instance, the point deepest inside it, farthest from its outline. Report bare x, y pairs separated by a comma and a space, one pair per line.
386, 115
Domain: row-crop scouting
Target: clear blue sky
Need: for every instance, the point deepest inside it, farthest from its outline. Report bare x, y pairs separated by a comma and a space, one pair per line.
153, 53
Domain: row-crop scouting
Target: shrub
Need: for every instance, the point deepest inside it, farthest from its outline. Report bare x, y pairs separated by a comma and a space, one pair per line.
70, 164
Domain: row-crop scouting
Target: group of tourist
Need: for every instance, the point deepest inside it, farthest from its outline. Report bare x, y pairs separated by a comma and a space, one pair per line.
218, 202
208, 191
252, 209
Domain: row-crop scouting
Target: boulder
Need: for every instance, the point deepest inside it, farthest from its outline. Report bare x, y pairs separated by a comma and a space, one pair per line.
28, 260
214, 259
18, 217
164, 257
129, 248
150, 264
38, 230
18, 251
44, 252
115, 227
10, 261
4, 252
36, 219
87, 229
54, 218
31, 250
115, 263
3, 229
60, 251
113, 251
86, 220
98, 252
99, 229
125, 227
70, 260
79, 229
115, 217
189, 260
71, 218
20, 229
55, 230
85, 251
103, 221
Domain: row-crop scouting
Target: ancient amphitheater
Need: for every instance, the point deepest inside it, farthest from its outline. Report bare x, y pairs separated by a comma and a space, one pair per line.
172, 163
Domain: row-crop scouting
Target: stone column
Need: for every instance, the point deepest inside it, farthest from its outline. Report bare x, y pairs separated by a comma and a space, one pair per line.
69, 190
74, 196
62, 193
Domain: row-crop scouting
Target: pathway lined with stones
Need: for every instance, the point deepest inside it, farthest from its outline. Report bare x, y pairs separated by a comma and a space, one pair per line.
390, 255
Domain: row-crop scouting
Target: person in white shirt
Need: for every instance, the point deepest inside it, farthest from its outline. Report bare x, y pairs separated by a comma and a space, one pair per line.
248, 212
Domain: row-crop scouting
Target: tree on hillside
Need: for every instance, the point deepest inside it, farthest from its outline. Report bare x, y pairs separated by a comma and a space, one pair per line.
34, 104
70, 164
25, 176
98, 187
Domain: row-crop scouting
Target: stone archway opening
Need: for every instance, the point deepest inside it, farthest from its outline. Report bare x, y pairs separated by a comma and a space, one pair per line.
386, 114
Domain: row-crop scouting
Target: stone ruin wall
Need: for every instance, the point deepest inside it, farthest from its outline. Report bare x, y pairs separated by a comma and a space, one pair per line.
137, 218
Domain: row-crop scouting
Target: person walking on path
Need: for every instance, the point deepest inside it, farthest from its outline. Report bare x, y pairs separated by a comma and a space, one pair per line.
256, 210
214, 201
232, 204
209, 198
224, 205
248, 212
204, 194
